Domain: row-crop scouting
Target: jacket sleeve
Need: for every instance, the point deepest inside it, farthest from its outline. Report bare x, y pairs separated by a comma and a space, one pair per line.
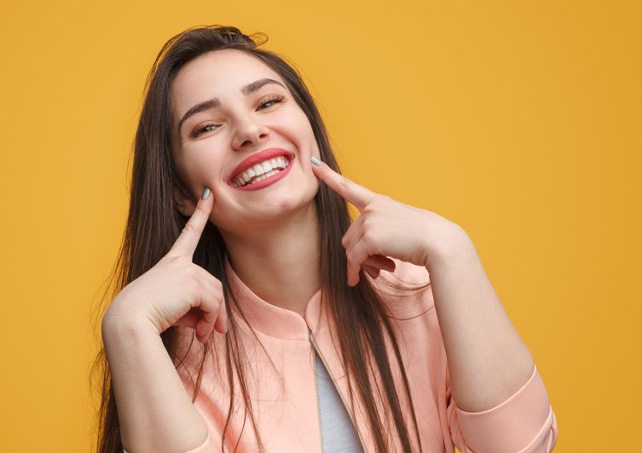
524, 423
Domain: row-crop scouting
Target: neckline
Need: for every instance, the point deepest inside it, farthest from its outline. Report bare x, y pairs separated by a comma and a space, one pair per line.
270, 319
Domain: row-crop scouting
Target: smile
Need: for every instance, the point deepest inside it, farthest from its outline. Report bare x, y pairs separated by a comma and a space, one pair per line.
263, 174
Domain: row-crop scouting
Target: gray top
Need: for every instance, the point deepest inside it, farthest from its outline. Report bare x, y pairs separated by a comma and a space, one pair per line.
337, 431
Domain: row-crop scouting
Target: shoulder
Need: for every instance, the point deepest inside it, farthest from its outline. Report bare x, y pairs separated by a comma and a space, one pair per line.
407, 291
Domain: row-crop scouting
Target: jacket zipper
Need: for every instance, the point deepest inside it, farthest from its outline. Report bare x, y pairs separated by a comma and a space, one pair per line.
345, 405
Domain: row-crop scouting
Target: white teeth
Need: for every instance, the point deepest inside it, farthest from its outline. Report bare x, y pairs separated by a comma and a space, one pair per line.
262, 177
261, 169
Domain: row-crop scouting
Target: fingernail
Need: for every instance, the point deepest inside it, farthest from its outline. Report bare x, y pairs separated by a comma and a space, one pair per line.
315, 161
206, 193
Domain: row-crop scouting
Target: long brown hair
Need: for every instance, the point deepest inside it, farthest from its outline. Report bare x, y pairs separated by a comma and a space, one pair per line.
154, 223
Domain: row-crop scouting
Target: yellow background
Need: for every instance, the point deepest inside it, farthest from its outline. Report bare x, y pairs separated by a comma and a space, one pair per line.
521, 121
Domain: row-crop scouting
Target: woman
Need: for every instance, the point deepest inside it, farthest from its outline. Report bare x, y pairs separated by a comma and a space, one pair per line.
239, 236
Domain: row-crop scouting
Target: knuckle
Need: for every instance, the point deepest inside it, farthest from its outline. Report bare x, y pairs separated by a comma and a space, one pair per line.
376, 201
177, 260
343, 184
222, 313
217, 283
368, 237
188, 228
193, 275
172, 259
212, 286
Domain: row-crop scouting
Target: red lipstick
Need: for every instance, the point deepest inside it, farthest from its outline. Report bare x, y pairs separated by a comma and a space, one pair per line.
259, 157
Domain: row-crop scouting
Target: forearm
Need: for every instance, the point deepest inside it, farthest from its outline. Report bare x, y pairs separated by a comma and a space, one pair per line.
155, 412
487, 359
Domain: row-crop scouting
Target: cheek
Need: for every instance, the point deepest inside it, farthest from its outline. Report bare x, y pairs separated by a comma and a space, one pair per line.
296, 125
201, 167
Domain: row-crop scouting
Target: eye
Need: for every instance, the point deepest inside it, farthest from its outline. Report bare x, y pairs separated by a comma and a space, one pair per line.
264, 102
276, 98
202, 129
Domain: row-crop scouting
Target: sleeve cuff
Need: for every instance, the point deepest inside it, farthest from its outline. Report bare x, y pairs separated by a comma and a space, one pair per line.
524, 423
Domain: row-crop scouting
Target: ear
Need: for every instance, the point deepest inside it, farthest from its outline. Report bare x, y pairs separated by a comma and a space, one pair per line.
183, 200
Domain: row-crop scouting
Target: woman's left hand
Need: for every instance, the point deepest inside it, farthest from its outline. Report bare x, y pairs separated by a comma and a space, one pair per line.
388, 228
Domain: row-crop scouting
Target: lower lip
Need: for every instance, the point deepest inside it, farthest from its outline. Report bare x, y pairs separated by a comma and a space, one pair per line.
267, 181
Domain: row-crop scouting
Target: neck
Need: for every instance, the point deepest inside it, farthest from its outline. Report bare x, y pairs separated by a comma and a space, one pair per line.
280, 263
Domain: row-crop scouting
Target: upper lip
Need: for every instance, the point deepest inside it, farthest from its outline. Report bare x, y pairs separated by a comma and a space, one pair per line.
259, 157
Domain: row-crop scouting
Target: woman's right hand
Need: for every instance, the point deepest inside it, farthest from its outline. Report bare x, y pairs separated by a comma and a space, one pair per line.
175, 291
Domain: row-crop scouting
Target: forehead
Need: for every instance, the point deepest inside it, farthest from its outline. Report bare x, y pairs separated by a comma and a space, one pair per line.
220, 73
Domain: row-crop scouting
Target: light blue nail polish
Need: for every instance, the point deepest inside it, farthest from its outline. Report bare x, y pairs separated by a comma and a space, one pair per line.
315, 161
206, 193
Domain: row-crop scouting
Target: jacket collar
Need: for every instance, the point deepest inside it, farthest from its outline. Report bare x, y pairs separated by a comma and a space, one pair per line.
268, 318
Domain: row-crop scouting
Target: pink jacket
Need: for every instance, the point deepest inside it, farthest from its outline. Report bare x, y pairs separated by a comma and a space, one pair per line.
286, 409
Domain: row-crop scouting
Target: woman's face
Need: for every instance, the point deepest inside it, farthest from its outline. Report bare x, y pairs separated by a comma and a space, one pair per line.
212, 143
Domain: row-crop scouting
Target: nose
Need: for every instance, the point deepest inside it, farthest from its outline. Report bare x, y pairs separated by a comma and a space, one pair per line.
249, 133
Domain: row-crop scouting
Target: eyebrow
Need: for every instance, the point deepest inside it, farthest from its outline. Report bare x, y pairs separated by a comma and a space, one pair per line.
215, 102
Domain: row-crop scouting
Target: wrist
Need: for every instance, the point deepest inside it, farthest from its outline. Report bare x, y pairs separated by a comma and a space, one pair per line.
122, 317
453, 245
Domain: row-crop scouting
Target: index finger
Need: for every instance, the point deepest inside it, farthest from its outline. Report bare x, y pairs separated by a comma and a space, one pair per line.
348, 189
188, 239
